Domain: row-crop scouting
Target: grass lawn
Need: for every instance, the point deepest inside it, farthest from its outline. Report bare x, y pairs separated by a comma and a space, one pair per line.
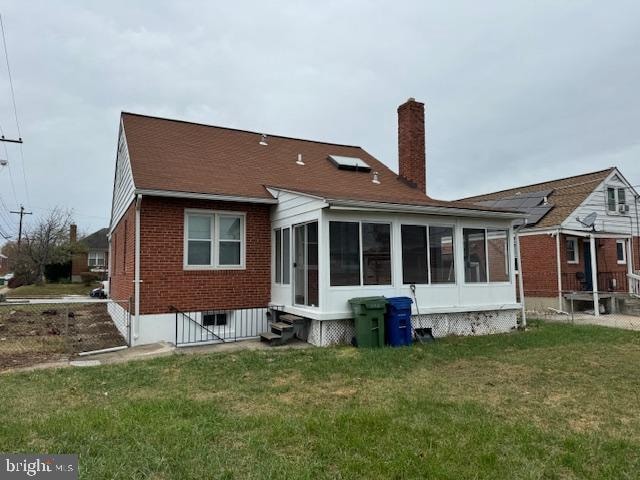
51, 289
560, 401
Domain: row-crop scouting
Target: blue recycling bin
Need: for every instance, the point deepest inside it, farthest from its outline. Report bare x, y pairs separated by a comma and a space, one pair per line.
398, 322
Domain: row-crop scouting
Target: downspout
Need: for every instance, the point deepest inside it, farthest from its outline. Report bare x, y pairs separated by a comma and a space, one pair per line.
559, 272
636, 267
523, 311
136, 278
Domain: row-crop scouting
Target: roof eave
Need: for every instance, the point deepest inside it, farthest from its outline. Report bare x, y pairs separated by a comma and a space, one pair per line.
424, 209
204, 196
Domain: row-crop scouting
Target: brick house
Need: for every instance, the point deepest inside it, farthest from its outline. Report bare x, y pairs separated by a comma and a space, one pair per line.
580, 240
94, 258
216, 232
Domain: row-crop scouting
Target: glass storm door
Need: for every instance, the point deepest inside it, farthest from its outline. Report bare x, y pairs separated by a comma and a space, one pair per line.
305, 266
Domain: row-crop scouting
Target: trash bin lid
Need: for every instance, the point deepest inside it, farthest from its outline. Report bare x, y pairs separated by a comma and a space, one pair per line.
400, 303
369, 302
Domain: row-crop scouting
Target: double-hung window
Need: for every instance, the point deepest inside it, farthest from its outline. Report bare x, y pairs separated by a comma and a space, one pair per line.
214, 240
486, 255
96, 259
572, 250
617, 200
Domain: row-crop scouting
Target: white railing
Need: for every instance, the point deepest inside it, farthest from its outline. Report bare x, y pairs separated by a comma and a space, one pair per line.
634, 284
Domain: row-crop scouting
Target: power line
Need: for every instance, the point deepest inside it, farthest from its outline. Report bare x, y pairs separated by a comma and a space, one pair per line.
13, 95
15, 111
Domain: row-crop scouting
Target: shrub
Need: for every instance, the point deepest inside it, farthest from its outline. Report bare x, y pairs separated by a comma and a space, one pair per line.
89, 277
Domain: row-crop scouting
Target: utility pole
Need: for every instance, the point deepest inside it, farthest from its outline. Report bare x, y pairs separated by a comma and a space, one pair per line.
22, 213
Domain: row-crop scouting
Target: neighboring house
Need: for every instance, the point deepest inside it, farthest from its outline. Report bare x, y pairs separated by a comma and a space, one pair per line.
4, 264
581, 236
95, 258
210, 226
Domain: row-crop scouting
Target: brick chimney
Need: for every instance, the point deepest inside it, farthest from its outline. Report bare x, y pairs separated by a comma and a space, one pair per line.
73, 233
411, 150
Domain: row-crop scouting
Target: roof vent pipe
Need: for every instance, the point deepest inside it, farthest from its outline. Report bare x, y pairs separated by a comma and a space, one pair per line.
263, 139
299, 161
376, 178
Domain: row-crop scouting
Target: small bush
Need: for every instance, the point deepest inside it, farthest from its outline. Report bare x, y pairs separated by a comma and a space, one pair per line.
15, 282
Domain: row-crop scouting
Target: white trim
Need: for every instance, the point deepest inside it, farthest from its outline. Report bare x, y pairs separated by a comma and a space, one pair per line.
624, 252
215, 239
205, 196
425, 209
315, 314
594, 276
136, 277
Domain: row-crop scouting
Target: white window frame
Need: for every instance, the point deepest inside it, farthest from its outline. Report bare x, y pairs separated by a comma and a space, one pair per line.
361, 253
455, 248
616, 193
215, 239
624, 252
508, 265
576, 259
96, 256
282, 256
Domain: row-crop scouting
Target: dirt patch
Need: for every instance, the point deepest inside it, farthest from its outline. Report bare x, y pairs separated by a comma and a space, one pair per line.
34, 333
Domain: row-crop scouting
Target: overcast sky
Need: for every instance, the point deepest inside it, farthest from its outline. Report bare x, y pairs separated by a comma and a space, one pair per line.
516, 92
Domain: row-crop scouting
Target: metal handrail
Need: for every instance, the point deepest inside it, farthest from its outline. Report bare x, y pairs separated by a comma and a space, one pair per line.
191, 320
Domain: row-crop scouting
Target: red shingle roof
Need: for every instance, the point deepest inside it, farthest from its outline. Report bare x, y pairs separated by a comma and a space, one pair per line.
173, 155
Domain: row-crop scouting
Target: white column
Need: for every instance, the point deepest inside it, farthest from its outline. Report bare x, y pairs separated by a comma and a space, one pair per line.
559, 268
520, 281
629, 262
594, 276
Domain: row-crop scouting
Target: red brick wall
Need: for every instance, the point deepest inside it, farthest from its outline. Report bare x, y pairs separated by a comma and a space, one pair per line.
164, 280
121, 285
608, 263
636, 253
539, 266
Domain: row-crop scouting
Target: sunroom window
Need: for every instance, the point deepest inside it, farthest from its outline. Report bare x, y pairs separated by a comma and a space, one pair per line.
486, 255
427, 254
352, 265
282, 255
214, 240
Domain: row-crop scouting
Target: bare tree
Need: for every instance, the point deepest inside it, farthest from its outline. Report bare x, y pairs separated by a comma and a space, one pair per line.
44, 243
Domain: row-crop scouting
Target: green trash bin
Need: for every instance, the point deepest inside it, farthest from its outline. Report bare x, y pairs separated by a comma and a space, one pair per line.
368, 313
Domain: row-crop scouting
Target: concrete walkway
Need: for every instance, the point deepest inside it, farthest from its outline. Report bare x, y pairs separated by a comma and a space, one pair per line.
155, 350
614, 320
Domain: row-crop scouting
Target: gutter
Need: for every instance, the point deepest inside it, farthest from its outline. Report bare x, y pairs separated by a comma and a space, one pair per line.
136, 278
424, 209
204, 196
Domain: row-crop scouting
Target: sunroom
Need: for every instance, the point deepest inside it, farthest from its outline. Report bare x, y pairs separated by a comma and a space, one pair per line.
456, 264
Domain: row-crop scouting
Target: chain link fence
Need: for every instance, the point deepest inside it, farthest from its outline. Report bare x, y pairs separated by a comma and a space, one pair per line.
48, 330
616, 310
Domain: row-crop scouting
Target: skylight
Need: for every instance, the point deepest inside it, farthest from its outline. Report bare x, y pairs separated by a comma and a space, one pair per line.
350, 163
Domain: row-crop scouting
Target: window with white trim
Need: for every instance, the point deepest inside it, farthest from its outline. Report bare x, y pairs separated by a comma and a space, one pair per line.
427, 254
572, 250
282, 256
621, 252
486, 255
214, 240
96, 259
359, 253
617, 200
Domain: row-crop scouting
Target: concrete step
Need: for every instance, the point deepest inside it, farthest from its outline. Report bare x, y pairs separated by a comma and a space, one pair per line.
271, 338
281, 327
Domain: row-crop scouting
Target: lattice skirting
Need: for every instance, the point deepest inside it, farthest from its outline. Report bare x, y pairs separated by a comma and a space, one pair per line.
335, 332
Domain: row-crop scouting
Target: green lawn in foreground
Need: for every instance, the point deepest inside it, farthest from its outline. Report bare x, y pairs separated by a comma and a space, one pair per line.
50, 289
560, 401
